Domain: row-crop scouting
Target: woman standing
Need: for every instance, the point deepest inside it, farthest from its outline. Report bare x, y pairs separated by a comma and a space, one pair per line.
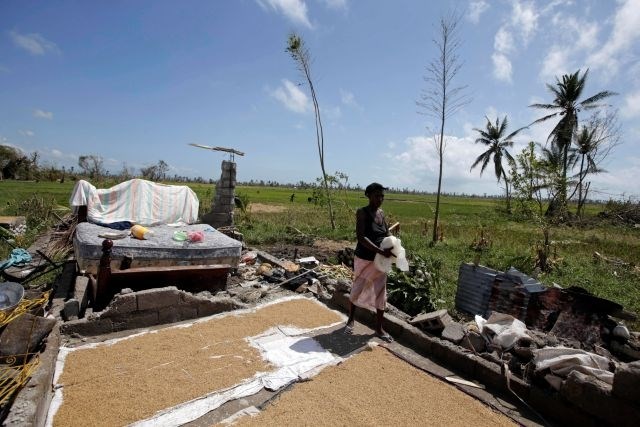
370, 284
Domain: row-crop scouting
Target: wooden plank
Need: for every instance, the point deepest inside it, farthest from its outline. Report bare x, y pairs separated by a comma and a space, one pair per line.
7, 221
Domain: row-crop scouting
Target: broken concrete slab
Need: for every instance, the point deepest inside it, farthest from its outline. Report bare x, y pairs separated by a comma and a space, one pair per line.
31, 404
626, 382
434, 321
81, 294
156, 298
594, 397
25, 334
474, 341
453, 332
71, 310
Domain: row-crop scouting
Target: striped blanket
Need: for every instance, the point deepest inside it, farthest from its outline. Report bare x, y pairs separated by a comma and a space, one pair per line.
137, 201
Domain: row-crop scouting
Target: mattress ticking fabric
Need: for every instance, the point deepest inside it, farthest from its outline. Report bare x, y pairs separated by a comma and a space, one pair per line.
160, 249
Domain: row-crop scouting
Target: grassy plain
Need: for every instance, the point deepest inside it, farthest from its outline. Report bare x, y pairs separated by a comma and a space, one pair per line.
512, 243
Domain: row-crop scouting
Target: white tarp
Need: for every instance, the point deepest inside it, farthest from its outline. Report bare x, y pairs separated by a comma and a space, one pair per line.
295, 357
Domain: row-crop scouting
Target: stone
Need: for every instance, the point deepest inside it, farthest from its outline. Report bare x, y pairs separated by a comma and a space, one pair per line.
208, 307
31, 403
625, 350
86, 327
595, 398
150, 299
25, 334
81, 294
251, 296
523, 352
453, 332
626, 381
343, 285
71, 310
585, 391
138, 320
121, 304
474, 342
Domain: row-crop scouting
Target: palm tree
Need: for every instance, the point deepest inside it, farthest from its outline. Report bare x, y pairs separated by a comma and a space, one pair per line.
566, 104
493, 137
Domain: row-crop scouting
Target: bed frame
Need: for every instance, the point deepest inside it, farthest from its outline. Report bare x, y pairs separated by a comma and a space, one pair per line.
193, 278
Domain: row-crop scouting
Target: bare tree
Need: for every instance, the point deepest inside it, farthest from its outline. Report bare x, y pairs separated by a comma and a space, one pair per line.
594, 142
442, 98
92, 166
300, 54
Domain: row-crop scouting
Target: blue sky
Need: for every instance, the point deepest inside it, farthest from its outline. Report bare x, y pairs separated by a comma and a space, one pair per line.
136, 81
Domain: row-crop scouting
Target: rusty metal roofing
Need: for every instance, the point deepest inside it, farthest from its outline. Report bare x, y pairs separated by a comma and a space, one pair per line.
474, 288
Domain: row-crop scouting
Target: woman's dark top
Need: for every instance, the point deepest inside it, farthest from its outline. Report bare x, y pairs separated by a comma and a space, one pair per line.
375, 230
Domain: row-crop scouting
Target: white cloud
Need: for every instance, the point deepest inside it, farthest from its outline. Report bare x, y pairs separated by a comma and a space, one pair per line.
555, 63
624, 36
290, 95
502, 69
33, 43
524, 19
348, 98
631, 105
523, 23
26, 132
619, 182
41, 114
503, 41
417, 166
294, 10
476, 9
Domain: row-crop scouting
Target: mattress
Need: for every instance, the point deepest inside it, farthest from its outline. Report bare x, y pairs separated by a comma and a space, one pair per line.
161, 249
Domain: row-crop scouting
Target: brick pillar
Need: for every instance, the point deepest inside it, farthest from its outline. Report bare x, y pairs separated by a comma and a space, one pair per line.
221, 214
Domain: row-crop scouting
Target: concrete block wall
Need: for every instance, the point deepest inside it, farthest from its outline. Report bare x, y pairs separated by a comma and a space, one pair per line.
150, 307
221, 214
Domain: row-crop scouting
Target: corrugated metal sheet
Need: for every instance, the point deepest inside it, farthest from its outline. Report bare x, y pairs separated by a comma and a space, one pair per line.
474, 288
511, 292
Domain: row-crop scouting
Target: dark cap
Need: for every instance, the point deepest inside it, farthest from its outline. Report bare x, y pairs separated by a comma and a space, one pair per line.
374, 186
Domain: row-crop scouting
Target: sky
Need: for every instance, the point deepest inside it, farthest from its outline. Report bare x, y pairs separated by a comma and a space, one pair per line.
135, 82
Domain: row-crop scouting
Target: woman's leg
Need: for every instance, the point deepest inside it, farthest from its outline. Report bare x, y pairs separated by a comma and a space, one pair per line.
352, 312
379, 318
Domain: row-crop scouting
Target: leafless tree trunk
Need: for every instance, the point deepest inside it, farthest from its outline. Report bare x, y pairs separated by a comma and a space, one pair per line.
301, 56
442, 98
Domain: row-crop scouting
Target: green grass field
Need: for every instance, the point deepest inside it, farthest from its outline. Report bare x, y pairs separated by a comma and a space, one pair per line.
512, 243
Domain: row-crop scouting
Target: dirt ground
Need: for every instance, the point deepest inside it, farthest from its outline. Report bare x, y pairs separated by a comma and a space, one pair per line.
324, 250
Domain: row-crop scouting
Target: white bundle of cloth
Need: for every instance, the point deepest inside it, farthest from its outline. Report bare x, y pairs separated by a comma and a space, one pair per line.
137, 201
502, 329
562, 361
383, 263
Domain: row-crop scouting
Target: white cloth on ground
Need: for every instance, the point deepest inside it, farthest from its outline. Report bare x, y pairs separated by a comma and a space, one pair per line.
562, 360
502, 329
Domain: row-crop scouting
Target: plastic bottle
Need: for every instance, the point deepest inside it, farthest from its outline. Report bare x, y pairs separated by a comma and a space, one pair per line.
140, 232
